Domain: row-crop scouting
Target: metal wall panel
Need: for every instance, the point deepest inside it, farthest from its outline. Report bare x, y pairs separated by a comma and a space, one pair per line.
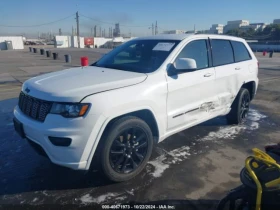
16, 40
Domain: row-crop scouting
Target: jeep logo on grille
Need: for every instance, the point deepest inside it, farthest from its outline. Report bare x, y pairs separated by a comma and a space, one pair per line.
27, 90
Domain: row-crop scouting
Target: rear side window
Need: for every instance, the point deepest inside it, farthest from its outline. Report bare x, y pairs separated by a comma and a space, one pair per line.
240, 51
222, 52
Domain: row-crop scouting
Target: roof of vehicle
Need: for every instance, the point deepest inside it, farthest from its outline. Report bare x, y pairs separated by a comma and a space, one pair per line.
180, 37
166, 37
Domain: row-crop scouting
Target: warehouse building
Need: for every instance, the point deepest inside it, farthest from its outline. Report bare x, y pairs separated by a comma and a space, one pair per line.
235, 24
216, 29
68, 41
11, 43
254, 26
174, 32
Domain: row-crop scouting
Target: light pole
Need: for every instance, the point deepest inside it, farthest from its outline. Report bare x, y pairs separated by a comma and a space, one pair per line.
152, 29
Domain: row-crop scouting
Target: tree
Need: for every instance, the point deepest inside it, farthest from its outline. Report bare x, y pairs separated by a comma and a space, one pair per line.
270, 32
273, 30
251, 31
234, 32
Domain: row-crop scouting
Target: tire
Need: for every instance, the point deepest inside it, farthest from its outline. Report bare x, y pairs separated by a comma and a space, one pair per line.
126, 148
240, 107
236, 199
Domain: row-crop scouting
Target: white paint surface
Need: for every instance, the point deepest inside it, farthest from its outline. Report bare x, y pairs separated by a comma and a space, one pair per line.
17, 42
74, 42
62, 41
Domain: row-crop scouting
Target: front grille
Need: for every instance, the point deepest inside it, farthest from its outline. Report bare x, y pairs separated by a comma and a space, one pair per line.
35, 108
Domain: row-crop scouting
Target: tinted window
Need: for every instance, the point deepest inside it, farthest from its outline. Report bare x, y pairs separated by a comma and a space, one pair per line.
240, 51
196, 50
222, 52
143, 56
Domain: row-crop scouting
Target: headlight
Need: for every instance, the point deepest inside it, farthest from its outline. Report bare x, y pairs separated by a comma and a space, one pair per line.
69, 110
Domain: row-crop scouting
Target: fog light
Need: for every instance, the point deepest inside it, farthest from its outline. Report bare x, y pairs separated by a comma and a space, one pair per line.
60, 141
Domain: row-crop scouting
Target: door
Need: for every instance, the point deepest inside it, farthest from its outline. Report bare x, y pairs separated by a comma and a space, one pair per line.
229, 60
191, 94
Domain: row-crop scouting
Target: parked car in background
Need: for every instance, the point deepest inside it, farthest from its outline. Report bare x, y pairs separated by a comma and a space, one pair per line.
147, 89
30, 43
50, 43
40, 43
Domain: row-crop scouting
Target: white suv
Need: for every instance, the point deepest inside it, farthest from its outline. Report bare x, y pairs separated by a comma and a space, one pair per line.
140, 93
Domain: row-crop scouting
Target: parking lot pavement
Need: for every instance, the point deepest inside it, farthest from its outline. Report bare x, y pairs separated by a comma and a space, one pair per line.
75, 53
198, 165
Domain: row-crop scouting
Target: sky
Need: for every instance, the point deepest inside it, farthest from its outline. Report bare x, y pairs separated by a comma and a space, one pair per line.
169, 14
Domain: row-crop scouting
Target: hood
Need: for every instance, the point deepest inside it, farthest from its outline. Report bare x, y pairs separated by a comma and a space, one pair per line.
72, 85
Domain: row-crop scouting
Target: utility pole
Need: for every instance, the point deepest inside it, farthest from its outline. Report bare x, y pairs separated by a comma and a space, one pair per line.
152, 29
59, 32
156, 30
95, 31
78, 29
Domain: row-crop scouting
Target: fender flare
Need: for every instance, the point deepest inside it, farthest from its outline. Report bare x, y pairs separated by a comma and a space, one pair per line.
104, 125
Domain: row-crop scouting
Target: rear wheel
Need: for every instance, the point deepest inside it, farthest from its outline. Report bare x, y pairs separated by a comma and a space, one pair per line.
127, 148
240, 107
237, 199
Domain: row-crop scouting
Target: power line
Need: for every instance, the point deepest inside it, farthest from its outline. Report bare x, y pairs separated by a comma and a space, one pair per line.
162, 28
39, 24
110, 23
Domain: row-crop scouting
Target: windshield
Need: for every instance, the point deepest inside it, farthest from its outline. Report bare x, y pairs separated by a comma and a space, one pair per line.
143, 56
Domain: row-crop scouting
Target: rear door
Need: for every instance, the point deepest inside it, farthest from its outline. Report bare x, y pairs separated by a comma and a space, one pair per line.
191, 94
229, 60
226, 73
243, 61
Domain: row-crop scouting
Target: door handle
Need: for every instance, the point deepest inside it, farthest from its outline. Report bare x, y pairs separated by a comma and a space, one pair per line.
237, 68
208, 74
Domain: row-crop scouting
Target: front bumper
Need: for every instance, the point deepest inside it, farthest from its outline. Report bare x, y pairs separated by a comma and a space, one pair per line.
78, 129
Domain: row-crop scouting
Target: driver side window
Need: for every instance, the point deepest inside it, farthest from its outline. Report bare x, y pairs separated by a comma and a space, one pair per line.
196, 50
130, 55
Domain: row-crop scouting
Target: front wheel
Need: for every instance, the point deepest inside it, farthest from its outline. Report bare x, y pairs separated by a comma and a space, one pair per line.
240, 107
127, 148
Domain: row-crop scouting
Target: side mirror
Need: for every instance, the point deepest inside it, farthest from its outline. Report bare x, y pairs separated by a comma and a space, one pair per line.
185, 64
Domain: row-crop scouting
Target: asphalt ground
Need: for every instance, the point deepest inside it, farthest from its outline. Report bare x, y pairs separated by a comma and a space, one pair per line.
195, 167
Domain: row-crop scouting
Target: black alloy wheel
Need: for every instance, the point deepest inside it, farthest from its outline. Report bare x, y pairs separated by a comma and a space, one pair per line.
128, 150
127, 147
240, 107
244, 108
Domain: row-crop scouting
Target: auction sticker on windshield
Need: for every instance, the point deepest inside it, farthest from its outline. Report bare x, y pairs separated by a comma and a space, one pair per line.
163, 46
